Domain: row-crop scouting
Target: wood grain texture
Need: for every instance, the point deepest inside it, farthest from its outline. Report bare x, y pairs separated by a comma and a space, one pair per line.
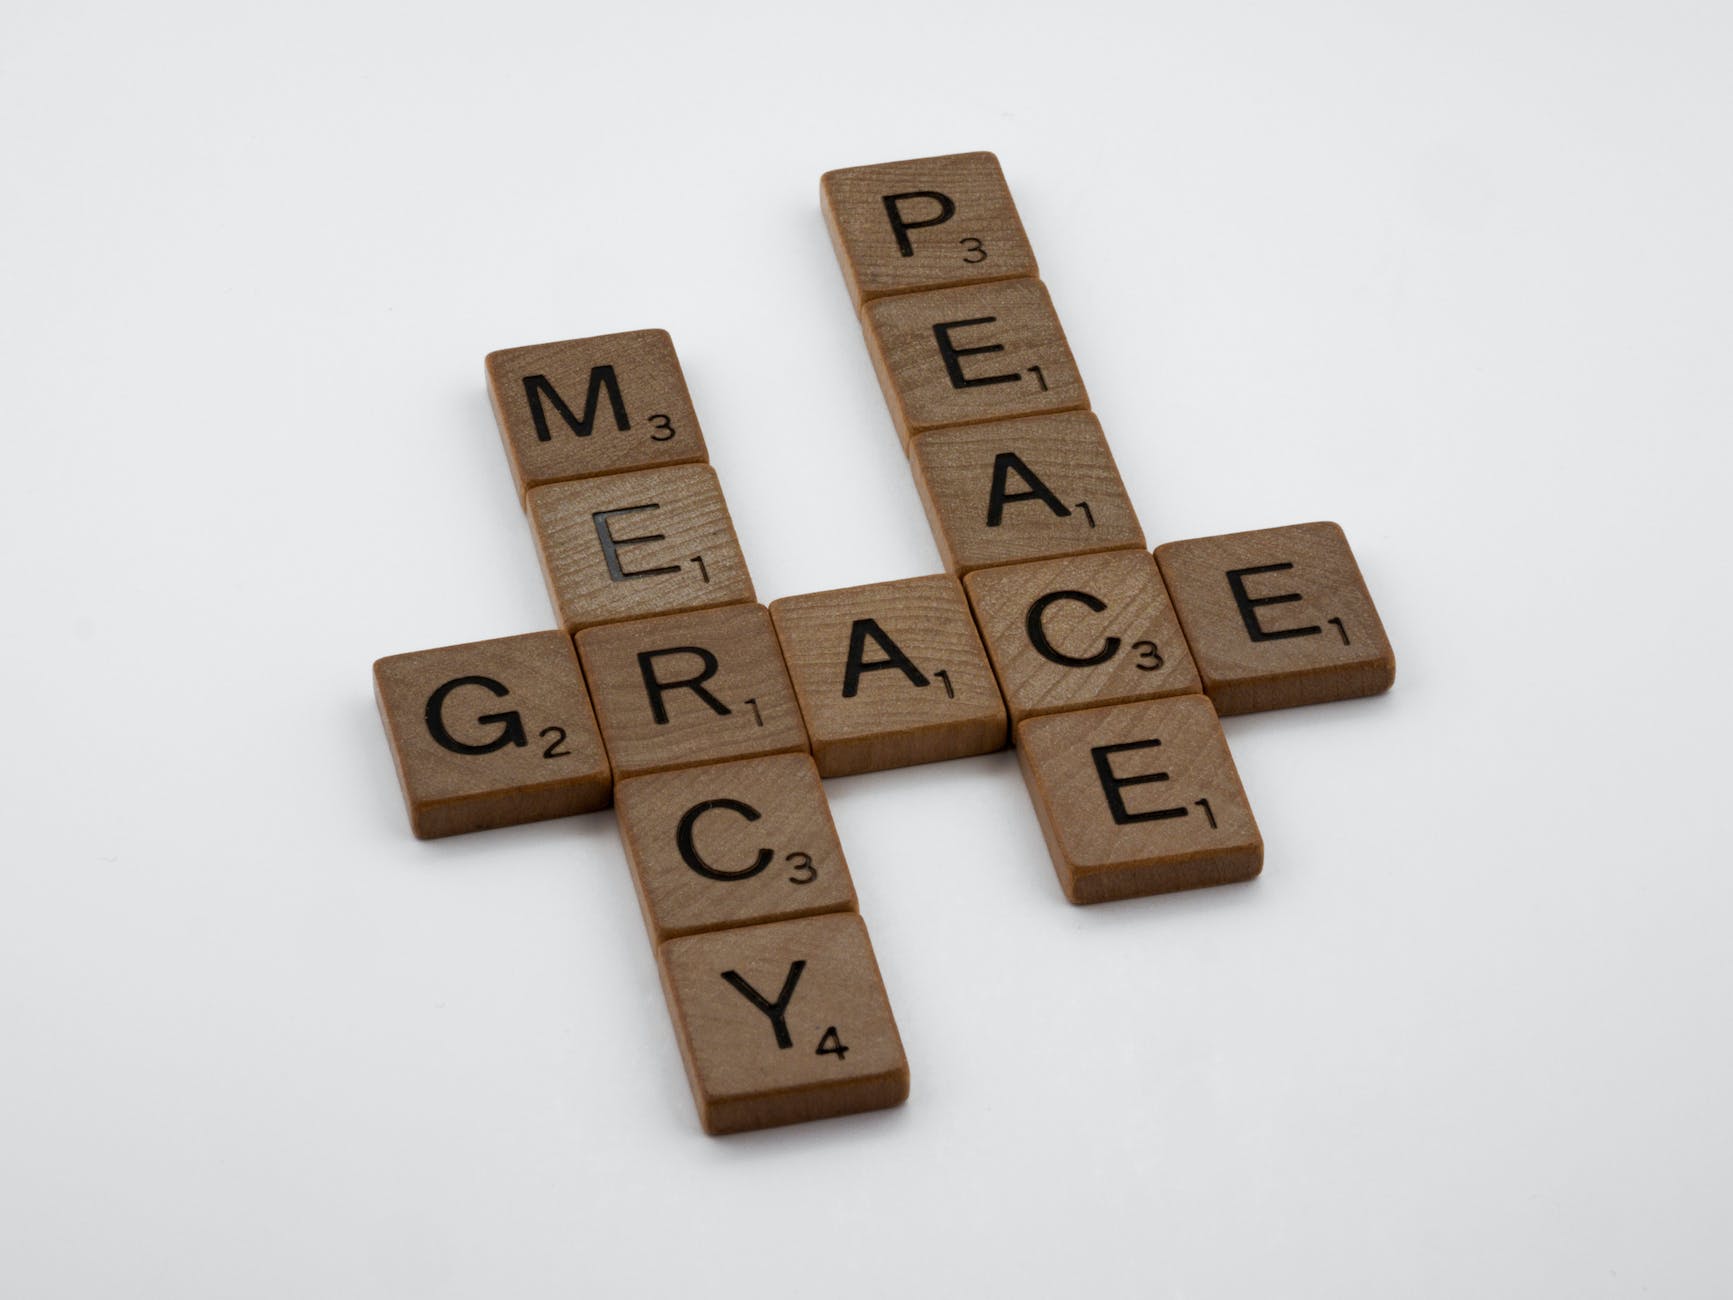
924, 223
1028, 489
592, 406
731, 844
1278, 617
492, 733
1139, 799
750, 1069
977, 353
1081, 631
889, 675
686, 689
632, 545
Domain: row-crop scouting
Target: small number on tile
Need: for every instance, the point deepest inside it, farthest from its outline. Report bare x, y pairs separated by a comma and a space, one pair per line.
1148, 656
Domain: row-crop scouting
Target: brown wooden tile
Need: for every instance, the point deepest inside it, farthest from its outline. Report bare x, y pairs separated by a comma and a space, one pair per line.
926, 223
622, 546
692, 688
732, 844
963, 356
890, 674
1080, 631
1139, 799
592, 406
492, 733
1026, 489
783, 1023
1278, 617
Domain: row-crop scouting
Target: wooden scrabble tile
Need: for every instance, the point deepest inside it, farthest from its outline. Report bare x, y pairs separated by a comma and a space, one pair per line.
1277, 617
492, 733
889, 675
732, 844
783, 1023
1139, 799
592, 406
927, 223
654, 541
692, 688
1026, 489
1080, 631
963, 356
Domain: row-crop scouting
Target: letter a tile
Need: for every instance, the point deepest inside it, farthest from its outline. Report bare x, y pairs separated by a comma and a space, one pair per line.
1139, 799
592, 406
927, 223
1028, 489
622, 546
492, 733
686, 689
732, 844
1278, 617
890, 674
783, 1023
964, 356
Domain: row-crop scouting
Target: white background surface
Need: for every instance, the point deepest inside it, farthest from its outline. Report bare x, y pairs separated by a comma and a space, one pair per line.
1454, 275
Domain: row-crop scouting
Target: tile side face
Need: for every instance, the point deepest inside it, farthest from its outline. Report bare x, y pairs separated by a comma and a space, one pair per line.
965, 356
924, 223
592, 406
1278, 617
731, 844
890, 675
626, 546
1138, 799
783, 1023
492, 733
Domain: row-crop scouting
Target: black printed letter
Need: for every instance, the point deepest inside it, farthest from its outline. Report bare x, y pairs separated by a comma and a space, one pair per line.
535, 386
775, 1010
1111, 785
511, 725
1249, 604
1038, 634
611, 545
689, 850
900, 227
953, 354
1009, 462
655, 687
894, 657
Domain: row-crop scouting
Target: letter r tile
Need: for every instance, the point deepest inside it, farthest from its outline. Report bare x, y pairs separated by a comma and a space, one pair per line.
621, 546
1278, 617
492, 733
968, 355
783, 1023
693, 688
1139, 799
